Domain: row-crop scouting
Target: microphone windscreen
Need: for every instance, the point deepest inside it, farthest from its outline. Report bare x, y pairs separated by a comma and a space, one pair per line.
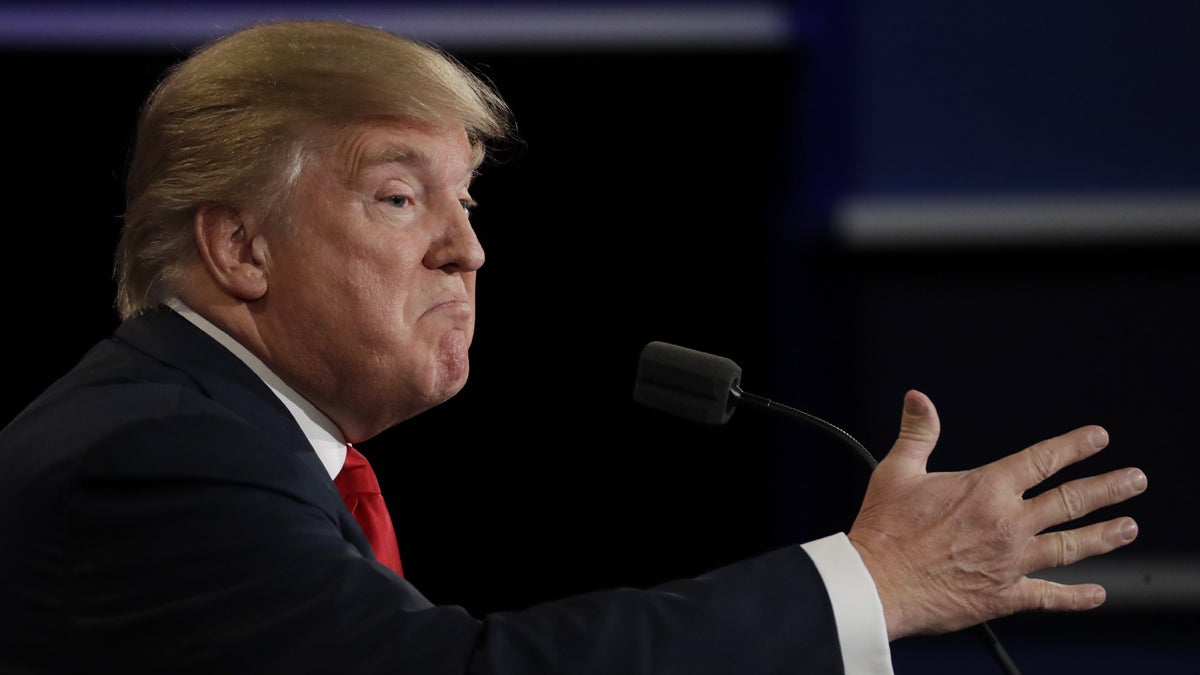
687, 383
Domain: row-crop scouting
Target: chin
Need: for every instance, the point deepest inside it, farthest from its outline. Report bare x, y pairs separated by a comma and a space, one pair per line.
454, 362
454, 379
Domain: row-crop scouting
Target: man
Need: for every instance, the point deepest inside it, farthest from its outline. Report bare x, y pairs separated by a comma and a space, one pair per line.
296, 274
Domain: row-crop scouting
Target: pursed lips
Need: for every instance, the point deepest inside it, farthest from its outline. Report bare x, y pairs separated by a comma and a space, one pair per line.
455, 304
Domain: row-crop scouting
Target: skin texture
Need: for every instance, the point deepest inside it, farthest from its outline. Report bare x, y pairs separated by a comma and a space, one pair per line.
950, 550
364, 301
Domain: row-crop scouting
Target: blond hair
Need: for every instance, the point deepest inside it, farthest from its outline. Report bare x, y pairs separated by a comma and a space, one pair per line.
229, 125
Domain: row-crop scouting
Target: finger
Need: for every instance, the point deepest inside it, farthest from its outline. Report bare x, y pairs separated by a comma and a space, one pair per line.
919, 429
1038, 462
1045, 595
1066, 547
1080, 497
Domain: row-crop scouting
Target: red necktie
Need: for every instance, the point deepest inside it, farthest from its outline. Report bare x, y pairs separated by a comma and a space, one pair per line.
360, 490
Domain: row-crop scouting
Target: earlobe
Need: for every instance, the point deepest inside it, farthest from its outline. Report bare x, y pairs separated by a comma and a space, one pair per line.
233, 257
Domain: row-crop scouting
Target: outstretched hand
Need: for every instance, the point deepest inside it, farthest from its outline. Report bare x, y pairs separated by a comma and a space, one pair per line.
950, 550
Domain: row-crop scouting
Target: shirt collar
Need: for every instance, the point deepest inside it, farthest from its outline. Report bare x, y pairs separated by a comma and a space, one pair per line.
322, 433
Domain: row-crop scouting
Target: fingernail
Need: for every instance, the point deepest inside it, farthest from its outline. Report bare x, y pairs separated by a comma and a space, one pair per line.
1138, 481
913, 405
1129, 530
1099, 596
1099, 438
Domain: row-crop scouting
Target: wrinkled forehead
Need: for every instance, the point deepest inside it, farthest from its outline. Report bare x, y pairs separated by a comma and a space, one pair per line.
350, 150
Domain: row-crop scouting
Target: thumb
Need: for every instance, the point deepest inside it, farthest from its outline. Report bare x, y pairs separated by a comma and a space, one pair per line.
919, 430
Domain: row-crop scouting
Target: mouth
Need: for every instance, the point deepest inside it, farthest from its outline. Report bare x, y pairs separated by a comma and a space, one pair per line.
454, 305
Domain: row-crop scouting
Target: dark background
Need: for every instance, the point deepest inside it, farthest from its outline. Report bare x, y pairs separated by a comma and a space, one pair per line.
691, 193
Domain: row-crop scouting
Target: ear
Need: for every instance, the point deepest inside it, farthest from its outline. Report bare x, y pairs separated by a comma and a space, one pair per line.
234, 258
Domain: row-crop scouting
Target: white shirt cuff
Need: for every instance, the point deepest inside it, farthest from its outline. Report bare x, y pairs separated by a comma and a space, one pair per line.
856, 607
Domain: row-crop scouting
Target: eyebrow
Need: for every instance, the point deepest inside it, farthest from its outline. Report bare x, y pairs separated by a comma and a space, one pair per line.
394, 155
403, 154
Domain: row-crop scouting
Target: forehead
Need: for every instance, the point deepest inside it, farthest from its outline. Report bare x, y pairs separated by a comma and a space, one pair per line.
438, 148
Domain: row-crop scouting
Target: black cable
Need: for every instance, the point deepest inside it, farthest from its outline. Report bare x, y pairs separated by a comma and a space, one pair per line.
984, 630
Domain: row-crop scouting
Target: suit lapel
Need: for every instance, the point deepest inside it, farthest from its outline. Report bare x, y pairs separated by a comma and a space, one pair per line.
173, 340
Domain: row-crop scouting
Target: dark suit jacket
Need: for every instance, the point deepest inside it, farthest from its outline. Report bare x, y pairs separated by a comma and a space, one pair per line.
161, 511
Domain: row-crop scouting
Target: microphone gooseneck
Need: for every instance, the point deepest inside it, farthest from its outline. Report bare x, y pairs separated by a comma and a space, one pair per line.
788, 411
706, 388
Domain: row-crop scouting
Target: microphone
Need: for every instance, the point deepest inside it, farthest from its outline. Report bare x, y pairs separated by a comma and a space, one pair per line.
686, 383
706, 388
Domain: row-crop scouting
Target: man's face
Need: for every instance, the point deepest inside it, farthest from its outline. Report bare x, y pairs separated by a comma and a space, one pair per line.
370, 303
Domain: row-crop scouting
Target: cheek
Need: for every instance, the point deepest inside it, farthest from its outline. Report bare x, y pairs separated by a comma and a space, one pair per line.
470, 283
381, 292
389, 317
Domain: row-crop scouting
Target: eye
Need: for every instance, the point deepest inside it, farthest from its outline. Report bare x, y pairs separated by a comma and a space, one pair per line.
467, 205
398, 201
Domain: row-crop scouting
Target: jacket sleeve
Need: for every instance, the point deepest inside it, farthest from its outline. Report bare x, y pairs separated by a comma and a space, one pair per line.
195, 545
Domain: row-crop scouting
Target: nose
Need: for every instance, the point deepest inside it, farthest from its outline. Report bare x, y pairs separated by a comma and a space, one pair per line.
455, 248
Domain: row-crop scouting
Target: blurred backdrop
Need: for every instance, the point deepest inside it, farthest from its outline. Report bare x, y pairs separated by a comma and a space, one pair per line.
997, 203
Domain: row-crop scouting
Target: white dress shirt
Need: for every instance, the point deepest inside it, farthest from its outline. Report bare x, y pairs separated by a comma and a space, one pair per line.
856, 607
